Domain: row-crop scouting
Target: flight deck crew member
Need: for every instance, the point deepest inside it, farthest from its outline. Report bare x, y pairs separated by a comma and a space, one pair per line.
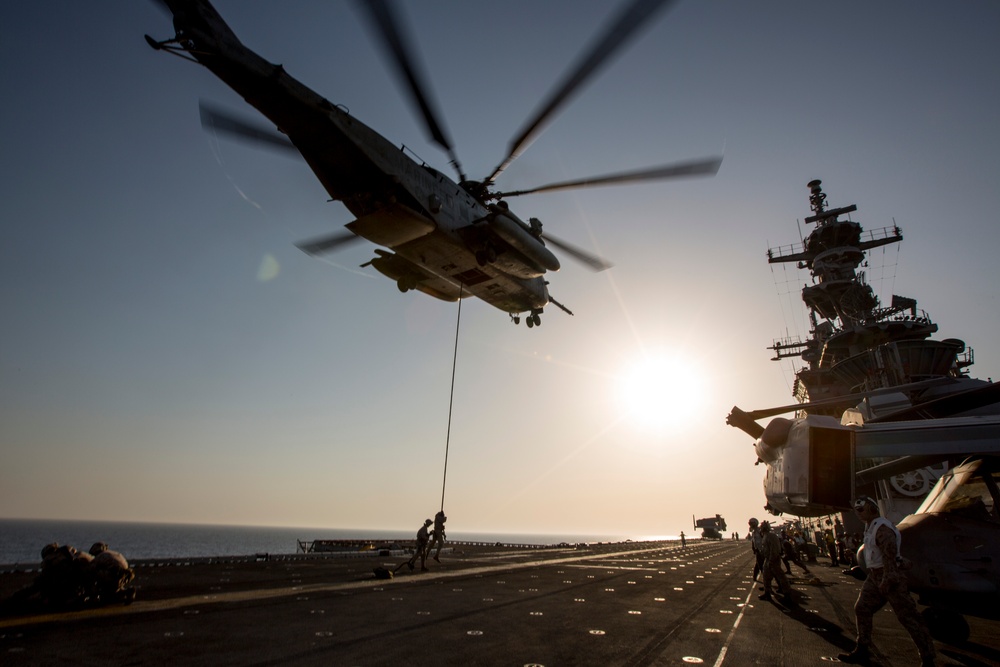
112, 575
757, 545
885, 583
421, 549
772, 552
437, 535
791, 554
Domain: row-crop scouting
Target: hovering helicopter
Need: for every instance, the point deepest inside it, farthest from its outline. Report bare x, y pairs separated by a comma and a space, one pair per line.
444, 238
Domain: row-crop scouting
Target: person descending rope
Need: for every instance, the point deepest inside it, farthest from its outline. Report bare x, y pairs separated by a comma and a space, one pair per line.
437, 535
419, 551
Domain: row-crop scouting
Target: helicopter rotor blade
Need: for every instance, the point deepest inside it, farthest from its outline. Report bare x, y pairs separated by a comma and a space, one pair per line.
383, 19
163, 6
327, 243
624, 26
593, 262
707, 167
216, 120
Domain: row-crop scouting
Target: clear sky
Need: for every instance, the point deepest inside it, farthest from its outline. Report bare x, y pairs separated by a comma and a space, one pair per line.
167, 354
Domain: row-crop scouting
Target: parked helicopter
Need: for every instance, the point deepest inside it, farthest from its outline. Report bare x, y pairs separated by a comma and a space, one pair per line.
816, 464
446, 239
953, 541
815, 467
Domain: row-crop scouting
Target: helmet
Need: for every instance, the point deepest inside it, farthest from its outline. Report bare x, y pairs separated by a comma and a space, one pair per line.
766, 526
861, 501
752, 522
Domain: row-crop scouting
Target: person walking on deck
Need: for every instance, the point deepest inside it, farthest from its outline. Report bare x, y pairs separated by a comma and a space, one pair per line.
886, 582
757, 545
772, 553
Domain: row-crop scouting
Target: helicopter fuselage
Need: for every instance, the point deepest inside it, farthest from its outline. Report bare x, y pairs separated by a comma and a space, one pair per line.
441, 240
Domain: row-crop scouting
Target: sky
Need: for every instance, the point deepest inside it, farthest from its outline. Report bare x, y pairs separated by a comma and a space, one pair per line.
168, 354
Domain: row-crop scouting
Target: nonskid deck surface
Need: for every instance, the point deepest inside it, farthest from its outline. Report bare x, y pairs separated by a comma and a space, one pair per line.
642, 603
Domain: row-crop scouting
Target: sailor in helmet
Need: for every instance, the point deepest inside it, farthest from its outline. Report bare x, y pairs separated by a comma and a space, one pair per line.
886, 582
772, 552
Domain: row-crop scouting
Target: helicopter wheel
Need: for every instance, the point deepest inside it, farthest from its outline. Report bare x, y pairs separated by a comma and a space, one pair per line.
912, 484
530, 321
946, 625
535, 320
517, 320
405, 285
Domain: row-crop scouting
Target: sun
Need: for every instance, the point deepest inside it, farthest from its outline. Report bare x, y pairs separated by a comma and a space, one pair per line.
661, 392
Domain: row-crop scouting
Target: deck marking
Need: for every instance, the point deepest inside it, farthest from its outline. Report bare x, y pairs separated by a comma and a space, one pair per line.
732, 633
144, 606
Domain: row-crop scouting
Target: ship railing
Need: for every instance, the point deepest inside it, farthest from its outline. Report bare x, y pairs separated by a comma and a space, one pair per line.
867, 236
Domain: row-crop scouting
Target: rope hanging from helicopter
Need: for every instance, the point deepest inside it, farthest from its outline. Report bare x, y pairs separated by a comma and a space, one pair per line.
451, 400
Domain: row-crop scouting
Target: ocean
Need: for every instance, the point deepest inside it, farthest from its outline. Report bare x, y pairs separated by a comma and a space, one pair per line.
21, 540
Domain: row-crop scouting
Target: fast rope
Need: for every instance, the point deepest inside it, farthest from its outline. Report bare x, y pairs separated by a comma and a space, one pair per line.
451, 400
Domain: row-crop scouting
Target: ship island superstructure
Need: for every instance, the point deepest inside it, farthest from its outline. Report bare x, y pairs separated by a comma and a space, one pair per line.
857, 345
864, 363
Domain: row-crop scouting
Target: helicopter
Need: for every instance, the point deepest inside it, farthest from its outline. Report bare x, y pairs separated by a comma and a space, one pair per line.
816, 465
445, 238
953, 541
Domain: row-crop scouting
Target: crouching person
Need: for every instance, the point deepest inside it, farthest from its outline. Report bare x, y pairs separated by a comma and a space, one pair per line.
111, 575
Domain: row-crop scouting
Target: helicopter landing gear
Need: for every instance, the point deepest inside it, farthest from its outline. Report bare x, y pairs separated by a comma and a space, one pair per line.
532, 320
406, 284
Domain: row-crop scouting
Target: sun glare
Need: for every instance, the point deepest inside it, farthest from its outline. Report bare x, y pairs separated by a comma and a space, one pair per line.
661, 393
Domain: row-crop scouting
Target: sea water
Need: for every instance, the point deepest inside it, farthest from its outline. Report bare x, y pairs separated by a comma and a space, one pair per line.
21, 540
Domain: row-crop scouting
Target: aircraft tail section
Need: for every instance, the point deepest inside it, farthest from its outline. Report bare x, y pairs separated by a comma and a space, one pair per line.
198, 22
347, 156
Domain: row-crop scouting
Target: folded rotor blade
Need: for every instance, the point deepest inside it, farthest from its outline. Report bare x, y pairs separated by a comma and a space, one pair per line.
627, 22
394, 41
593, 262
327, 243
217, 120
700, 168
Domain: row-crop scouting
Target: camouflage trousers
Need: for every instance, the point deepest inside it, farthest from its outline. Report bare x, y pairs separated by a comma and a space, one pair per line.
772, 570
870, 600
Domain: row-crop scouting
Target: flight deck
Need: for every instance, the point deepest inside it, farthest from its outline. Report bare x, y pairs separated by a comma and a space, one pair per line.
634, 603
